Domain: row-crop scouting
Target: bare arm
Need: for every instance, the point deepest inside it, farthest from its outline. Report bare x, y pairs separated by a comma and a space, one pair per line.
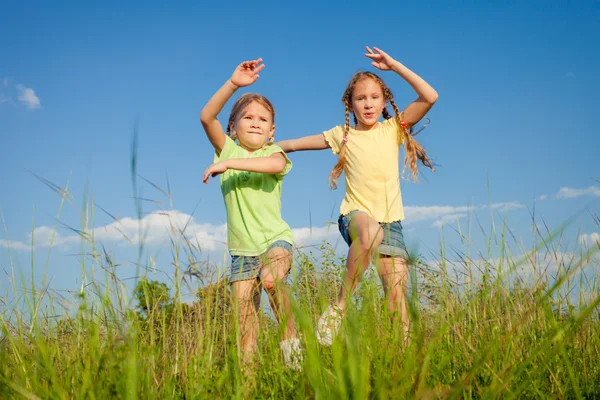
416, 110
208, 116
245, 74
274, 164
314, 142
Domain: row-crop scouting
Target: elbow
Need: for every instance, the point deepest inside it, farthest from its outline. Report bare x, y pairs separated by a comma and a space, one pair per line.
432, 97
279, 167
205, 118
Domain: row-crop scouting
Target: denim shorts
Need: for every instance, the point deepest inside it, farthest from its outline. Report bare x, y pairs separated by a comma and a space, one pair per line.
392, 244
248, 267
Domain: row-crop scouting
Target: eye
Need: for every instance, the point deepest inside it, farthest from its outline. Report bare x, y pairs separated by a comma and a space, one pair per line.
247, 117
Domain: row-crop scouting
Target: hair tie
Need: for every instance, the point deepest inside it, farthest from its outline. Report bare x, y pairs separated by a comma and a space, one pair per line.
345, 139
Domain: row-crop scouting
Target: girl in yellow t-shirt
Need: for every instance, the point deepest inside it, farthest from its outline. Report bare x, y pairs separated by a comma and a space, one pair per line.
371, 212
259, 240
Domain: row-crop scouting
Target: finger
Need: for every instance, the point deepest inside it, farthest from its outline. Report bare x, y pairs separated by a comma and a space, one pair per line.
254, 63
380, 51
259, 68
369, 50
373, 56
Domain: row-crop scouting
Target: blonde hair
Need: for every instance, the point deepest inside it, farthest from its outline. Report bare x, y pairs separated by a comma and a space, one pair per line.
244, 101
413, 151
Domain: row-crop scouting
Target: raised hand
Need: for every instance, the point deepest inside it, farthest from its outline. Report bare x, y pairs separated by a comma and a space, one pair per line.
247, 73
214, 170
381, 59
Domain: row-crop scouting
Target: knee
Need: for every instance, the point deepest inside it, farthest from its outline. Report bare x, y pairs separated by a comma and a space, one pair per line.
269, 284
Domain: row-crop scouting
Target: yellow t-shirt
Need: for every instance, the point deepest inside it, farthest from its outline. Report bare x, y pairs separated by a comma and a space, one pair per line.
371, 170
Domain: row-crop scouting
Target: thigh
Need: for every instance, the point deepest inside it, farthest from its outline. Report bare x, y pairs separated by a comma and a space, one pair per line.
276, 263
363, 227
246, 295
393, 272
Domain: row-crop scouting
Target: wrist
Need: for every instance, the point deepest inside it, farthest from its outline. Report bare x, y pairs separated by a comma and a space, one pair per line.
232, 85
397, 67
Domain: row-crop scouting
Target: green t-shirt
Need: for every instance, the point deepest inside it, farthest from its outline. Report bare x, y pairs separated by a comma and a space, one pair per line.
253, 203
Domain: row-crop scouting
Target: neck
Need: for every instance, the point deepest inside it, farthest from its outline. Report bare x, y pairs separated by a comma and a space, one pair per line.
362, 127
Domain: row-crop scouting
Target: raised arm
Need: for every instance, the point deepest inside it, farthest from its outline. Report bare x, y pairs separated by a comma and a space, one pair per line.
245, 74
273, 164
314, 142
416, 110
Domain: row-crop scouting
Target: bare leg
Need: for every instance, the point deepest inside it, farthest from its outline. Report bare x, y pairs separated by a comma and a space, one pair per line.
366, 235
272, 277
246, 295
394, 276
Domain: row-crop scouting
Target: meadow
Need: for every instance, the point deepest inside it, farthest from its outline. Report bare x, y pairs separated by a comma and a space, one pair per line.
501, 325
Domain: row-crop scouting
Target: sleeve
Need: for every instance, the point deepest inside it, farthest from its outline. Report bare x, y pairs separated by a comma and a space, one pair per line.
272, 149
393, 126
334, 138
227, 150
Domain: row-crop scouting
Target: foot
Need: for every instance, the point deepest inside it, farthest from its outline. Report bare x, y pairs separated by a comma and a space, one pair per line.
292, 353
329, 324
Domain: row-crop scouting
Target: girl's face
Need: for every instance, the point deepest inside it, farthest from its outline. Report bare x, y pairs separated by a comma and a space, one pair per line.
254, 126
368, 103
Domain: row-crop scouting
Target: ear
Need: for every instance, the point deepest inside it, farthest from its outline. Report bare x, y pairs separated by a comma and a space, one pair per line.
272, 131
232, 129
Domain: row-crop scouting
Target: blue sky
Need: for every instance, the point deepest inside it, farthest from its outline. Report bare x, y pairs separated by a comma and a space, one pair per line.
514, 126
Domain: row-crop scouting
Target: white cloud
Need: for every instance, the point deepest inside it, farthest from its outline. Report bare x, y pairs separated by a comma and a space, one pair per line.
590, 239
543, 197
14, 245
445, 214
28, 97
448, 218
570, 193
311, 236
157, 228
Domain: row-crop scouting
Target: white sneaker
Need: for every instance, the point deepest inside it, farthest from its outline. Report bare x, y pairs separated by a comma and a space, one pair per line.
292, 353
329, 324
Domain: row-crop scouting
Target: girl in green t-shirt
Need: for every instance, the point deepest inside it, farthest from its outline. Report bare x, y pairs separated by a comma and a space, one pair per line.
259, 241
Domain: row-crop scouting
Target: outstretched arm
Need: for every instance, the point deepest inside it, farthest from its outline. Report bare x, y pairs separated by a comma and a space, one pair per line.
427, 95
273, 164
245, 74
314, 142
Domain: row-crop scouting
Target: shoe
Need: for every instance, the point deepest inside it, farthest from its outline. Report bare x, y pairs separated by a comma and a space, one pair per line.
329, 324
292, 353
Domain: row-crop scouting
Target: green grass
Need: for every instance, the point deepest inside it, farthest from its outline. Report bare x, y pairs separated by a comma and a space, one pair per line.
502, 328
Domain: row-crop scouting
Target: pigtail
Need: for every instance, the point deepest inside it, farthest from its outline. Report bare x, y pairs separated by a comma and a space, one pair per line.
414, 150
339, 166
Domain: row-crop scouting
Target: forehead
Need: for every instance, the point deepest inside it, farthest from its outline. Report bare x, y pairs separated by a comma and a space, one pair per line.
367, 85
256, 108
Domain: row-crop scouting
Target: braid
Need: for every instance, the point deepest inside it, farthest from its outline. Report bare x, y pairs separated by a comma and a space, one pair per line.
414, 150
339, 166
386, 114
